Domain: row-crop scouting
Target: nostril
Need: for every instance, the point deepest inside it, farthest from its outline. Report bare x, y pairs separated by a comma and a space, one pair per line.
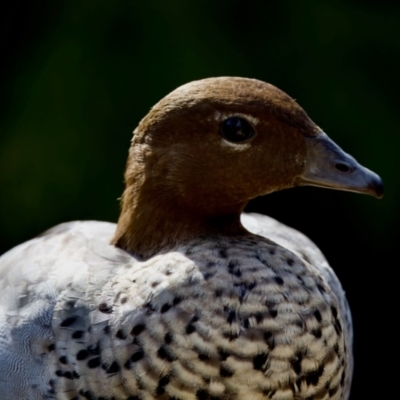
342, 167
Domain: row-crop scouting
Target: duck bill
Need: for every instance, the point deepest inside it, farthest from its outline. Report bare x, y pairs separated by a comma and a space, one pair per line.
330, 167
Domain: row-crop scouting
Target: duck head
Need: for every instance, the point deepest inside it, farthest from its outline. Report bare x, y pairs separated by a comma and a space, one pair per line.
210, 146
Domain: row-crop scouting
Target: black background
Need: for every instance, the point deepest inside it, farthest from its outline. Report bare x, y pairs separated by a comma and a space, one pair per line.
77, 76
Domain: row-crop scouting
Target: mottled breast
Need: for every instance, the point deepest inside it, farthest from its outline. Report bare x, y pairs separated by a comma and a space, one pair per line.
221, 318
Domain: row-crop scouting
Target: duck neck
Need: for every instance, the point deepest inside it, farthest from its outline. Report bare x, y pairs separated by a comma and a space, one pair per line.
153, 221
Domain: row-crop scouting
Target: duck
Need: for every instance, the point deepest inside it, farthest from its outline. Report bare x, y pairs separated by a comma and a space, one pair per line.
187, 297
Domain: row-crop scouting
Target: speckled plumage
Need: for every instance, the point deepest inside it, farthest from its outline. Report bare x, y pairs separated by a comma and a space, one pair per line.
239, 318
181, 300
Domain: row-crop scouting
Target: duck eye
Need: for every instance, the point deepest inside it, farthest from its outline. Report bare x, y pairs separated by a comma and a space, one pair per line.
237, 130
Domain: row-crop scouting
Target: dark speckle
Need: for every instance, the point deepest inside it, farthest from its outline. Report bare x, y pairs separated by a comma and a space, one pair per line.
165, 307
63, 360
343, 377
290, 261
111, 369
77, 334
121, 335
232, 265
208, 275
51, 347
267, 336
87, 394
225, 372
59, 373
124, 300
312, 377
321, 288
231, 316
269, 339
52, 383
161, 385
150, 308
332, 392
70, 303
238, 273
259, 360
82, 355
165, 353
300, 323
202, 394
270, 393
279, 280
138, 329
168, 338
223, 354
296, 363
230, 335
68, 375
223, 253
317, 333
336, 348
177, 300
203, 357
317, 316
218, 292
94, 362
273, 313
105, 308
68, 321
338, 327
241, 290
233, 268
133, 398
138, 355
259, 317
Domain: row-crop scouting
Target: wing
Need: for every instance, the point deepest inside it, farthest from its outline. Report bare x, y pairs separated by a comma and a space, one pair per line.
69, 258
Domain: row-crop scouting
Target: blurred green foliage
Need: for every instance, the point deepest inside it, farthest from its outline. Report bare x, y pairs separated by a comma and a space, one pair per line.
77, 77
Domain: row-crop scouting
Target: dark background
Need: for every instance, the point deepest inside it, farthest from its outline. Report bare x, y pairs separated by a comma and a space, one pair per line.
77, 76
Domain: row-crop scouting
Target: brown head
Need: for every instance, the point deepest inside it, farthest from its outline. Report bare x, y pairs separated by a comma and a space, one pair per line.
209, 147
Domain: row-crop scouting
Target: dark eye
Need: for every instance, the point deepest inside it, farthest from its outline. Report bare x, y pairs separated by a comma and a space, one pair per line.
237, 130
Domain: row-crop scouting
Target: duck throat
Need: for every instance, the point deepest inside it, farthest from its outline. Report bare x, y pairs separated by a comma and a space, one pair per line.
153, 222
